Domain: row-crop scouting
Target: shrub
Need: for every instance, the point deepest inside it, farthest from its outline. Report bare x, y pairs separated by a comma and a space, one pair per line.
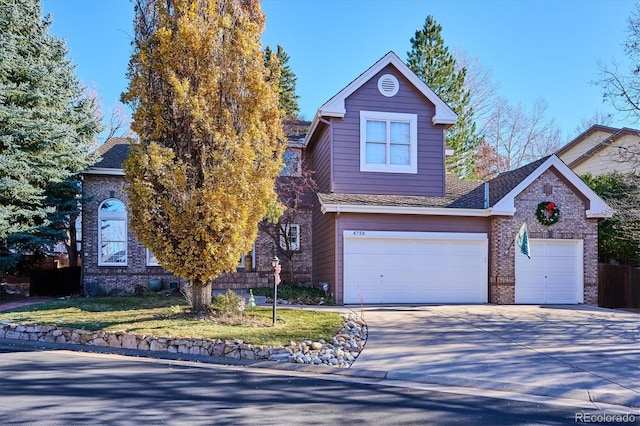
228, 304
296, 294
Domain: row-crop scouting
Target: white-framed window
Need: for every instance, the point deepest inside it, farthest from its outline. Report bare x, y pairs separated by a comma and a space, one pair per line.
291, 161
151, 259
248, 266
112, 235
388, 142
291, 234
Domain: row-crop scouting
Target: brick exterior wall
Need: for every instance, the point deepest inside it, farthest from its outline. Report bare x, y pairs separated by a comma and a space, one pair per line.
573, 224
115, 279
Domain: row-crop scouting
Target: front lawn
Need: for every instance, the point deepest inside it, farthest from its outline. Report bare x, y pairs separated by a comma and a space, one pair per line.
160, 316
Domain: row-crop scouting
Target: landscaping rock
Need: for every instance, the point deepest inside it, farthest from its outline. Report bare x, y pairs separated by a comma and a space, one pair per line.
341, 350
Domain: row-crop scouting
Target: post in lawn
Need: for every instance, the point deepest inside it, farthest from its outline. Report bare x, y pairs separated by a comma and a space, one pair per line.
275, 263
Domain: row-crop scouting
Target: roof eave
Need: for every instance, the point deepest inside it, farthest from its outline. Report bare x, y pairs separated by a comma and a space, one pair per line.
598, 207
104, 171
335, 107
411, 210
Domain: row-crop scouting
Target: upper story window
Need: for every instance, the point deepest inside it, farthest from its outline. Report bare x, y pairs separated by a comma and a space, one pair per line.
112, 235
291, 238
291, 161
388, 142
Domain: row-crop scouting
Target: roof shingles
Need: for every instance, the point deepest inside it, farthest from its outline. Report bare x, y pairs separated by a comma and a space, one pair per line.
113, 153
459, 194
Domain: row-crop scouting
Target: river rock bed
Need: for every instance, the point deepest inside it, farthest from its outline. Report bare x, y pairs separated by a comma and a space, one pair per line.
340, 351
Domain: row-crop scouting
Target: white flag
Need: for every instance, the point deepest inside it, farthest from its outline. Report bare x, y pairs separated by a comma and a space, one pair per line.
522, 240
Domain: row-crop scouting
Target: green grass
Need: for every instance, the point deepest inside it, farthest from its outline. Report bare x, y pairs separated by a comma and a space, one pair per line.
167, 316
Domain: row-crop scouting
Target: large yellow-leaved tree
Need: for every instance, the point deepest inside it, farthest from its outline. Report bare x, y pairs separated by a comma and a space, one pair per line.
202, 176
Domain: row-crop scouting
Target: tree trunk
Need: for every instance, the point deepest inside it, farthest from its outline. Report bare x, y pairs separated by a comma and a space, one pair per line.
291, 271
200, 297
72, 247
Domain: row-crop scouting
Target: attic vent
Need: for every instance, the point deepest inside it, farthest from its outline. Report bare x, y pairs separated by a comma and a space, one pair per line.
388, 85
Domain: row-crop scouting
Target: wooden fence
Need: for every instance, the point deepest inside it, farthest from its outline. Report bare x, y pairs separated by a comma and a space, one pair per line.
618, 286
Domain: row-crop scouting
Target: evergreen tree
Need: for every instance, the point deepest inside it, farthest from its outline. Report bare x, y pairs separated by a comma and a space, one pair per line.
431, 60
203, 176
47, 125
278, 66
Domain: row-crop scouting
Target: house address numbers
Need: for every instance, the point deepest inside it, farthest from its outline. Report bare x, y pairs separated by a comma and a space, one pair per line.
359, 233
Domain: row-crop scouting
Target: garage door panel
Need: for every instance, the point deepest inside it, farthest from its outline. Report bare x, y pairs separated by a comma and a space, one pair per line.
415, 270
554, 274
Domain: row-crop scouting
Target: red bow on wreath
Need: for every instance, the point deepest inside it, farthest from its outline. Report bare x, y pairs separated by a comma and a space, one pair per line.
550, 207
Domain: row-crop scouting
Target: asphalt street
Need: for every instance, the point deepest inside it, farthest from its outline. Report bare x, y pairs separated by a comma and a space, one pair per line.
57, 387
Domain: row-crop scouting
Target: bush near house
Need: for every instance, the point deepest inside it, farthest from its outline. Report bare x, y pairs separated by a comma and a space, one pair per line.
296, 295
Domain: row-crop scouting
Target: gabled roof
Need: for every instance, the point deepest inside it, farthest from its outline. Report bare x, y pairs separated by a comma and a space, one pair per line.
467, 198
335, 107
615, 134
582, 136
113, 153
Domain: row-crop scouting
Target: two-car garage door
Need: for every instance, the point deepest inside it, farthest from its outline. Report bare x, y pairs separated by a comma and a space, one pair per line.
415, 267
427, 267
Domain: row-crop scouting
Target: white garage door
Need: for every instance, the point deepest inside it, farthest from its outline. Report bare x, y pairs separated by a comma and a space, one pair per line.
554, 274
414, 267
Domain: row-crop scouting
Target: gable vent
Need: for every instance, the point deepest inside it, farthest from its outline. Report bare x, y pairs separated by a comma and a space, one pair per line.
388, 85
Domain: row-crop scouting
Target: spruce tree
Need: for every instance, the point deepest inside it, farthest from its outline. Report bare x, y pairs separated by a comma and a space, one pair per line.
278, 66
47, 125
431, 60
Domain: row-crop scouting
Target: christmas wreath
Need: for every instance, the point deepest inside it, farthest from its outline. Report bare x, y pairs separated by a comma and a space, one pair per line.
547, 213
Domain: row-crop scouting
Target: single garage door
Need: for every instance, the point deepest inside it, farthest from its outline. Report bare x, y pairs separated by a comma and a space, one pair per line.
554, 274
414, 267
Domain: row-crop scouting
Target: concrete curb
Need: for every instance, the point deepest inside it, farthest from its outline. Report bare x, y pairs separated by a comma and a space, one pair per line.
623, 399
627, 399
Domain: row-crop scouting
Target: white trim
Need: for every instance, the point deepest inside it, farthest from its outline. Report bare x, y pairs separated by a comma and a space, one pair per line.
335, 107
389, 117
418, 235
104, 171
116, 216
599, 209
424, 211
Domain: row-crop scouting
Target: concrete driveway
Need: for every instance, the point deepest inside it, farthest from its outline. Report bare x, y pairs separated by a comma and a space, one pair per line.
579, 352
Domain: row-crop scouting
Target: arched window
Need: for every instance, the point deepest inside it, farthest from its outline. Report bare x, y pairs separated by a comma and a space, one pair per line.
112, 235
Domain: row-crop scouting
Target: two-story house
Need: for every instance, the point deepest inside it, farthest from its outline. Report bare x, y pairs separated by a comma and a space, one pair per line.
392, 227
389, 225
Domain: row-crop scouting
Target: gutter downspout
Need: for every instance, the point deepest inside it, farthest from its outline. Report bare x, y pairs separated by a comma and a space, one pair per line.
486, 195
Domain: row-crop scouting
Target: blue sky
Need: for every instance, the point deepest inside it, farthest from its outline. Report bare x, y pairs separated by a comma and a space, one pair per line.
535, 49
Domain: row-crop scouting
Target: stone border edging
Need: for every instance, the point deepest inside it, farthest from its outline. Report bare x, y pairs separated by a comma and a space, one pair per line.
341, 350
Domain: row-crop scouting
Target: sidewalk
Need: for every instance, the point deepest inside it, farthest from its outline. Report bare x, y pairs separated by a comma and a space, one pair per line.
11, 302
